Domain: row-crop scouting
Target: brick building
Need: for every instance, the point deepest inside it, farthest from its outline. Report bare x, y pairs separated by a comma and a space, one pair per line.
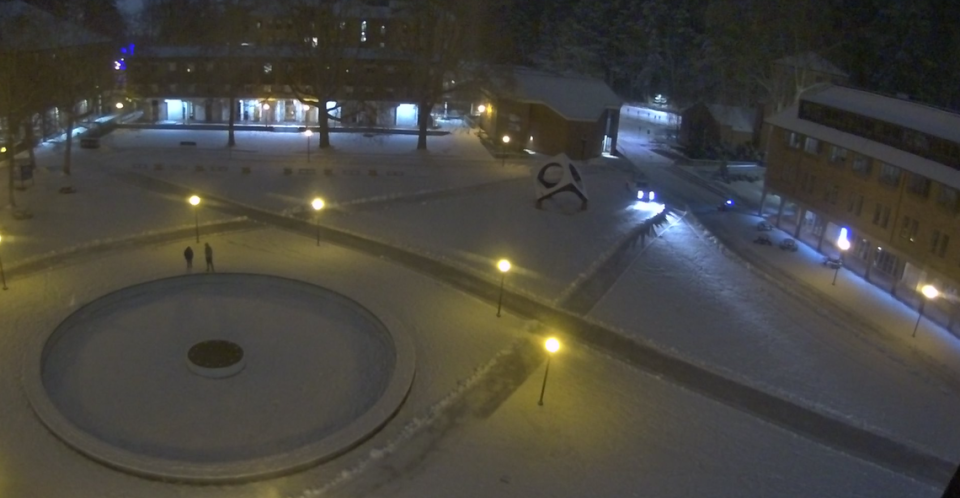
550, 113
885, 169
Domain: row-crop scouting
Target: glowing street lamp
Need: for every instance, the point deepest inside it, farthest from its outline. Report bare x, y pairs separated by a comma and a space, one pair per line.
3, 277
481, 108
308, 134
506, 140
317, 206
552, 345
843, 244
195, 202
930, 293
504, 266
119, 105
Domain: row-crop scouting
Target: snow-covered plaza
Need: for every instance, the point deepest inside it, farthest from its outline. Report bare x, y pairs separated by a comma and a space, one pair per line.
684, 369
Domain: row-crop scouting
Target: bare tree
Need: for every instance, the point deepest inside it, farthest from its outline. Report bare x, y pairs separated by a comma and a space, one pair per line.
323, 53
437, 39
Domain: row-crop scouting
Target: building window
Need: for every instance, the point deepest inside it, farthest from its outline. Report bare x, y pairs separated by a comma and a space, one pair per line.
383, 30
190, 67
172, 67
811, 145
909, 228
915, 140
267, 68
855, 204
890, 175
363, 31
861, 165
947, 199
831, 194
939, 243
793, 140
881, 215
838, 154
919, 185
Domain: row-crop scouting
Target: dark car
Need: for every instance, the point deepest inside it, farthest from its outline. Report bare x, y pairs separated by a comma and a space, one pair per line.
641, 190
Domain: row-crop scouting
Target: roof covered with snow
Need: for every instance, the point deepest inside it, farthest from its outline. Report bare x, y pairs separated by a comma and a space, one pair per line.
577, 98
789, 120
812, 61
737, 118
25, 27
901, 112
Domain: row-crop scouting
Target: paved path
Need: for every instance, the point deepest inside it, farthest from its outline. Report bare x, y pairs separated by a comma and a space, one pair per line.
823, 429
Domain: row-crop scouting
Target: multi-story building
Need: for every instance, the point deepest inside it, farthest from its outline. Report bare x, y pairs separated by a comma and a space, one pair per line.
52, 73
886, 170
272, 63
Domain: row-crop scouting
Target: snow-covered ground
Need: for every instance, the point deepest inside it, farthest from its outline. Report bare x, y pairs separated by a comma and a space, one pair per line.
606, 428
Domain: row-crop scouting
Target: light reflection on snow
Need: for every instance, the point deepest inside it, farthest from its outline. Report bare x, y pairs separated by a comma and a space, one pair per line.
648, 207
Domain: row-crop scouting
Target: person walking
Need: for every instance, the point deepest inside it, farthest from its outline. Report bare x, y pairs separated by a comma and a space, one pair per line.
188, 255
208, 252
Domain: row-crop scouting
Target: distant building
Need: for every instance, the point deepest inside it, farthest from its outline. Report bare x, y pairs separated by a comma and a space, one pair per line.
550, 113
885, 169
49, 68
712, 126
358, 49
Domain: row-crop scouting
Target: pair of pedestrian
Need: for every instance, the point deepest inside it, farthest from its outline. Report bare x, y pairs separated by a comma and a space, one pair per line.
207, 252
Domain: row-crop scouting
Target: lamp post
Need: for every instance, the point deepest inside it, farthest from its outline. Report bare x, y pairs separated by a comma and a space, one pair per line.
843, 244
195, 202
506, 140
552, 345
929, 292
504, 266
308, 134
317, 206
3, 277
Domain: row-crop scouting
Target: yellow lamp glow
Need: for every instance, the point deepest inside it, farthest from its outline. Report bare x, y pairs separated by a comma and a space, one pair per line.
503, 265
506, 139
930, 291
194, 200
481, 108
317, 204
3, 150
119, 105
552, 345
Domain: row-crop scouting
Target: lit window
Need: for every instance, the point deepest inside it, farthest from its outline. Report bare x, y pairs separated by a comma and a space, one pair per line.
812, 145
267, 68
383, 30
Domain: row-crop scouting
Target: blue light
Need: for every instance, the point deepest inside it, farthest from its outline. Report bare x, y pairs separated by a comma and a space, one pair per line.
729, 202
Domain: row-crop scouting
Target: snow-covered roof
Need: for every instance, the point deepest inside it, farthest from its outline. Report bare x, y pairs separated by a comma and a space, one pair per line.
902, 112
28, 28
577, 98
933, 170
812, 61
737, 118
